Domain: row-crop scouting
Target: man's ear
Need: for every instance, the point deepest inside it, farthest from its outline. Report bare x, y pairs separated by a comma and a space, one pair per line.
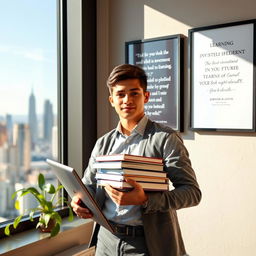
147, 95
110, 98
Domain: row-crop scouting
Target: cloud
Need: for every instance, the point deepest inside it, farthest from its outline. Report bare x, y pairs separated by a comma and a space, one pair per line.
35, 54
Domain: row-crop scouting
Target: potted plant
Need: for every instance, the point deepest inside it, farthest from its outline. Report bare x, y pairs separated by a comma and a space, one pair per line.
49, 220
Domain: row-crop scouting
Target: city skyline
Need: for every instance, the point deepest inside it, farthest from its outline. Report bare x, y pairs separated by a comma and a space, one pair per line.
28, 55
28, 97
23, 118
23, 156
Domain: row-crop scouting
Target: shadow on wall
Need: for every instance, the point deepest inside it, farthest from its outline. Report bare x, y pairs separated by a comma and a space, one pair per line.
201, 14
196, 13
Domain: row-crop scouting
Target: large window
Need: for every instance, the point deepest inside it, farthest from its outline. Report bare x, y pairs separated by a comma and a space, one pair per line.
28, 97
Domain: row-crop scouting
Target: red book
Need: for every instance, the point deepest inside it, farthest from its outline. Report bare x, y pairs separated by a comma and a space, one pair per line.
127, 157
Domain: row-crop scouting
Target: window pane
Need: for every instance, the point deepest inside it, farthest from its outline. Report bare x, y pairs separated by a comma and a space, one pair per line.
28, 98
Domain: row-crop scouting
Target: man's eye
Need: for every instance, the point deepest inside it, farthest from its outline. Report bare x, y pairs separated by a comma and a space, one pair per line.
120, 95
134, 93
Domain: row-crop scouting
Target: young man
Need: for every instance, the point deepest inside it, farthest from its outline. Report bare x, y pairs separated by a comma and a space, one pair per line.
145, 222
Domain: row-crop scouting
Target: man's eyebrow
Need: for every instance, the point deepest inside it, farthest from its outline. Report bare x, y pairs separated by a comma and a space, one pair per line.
132, 89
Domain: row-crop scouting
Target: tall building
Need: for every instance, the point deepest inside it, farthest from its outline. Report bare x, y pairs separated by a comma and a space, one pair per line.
48, 120
22, 139
4, 154
3, 134
3, 197
9, 126
32, 120
13, 163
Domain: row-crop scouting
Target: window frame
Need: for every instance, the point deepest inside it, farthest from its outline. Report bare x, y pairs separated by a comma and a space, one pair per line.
61, 16
87, 92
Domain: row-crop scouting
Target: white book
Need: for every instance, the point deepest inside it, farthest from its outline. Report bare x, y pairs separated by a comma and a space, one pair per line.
124, 185
124, 171
122, 177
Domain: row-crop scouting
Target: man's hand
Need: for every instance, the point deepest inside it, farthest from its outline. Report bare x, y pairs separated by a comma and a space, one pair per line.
135, 197
80, 210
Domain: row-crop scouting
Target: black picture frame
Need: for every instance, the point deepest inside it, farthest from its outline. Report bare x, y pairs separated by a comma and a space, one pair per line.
222, 77
163, 59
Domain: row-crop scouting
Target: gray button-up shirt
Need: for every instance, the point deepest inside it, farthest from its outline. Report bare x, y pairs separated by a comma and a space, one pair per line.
126, 214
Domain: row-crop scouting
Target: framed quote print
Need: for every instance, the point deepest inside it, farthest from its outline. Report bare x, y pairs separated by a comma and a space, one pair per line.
222, 77
162, 60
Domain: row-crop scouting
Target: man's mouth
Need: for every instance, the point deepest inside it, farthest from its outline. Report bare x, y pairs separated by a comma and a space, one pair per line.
128, 108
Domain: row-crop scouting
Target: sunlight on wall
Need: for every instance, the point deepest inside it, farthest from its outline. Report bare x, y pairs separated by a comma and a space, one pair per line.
158, 24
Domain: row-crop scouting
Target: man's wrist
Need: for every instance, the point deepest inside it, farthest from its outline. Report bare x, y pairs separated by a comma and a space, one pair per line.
145, 203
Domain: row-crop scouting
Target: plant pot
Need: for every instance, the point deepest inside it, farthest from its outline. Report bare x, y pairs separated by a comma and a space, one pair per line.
50, 226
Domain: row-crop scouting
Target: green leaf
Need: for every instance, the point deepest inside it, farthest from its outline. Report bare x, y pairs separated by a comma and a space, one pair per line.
22, 193
31, 214
57, 217
49, 188
41, 221
55, 230
41, 181
59, 187
17, 204
48, 207
47, 218
38, 224
17, 221
40, 198
33, 191
7, 230
71, 215
16, 192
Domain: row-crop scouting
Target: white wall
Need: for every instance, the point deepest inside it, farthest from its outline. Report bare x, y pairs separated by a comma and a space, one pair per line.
224, 223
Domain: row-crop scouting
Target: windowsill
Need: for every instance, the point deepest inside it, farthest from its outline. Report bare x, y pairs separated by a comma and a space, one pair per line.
75, 233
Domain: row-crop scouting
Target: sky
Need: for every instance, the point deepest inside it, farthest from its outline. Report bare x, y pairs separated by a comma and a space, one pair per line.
28, 54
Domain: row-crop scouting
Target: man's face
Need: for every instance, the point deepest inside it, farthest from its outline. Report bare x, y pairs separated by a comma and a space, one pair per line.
128, 99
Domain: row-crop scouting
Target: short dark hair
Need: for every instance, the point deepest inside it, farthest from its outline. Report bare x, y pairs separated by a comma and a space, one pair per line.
125, 72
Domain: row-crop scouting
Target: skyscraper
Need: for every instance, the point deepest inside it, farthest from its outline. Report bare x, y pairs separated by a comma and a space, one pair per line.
3, 196
3, 134
9, 125
48, 120
32, 120
21, 139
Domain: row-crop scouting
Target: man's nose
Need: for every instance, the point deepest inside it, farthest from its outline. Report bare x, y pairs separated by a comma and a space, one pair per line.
127, 98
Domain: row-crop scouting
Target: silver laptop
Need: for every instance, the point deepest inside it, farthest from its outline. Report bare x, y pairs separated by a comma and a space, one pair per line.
69, 178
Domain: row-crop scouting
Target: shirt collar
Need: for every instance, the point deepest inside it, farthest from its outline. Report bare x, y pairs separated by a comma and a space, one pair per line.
139, 128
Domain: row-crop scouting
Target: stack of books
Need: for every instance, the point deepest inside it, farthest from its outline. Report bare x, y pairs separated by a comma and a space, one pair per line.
147, 171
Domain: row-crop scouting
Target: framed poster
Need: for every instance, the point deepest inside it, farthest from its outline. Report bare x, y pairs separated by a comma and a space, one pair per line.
222, 77
162, 59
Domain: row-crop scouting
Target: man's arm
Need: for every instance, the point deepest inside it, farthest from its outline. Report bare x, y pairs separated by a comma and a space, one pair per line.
186, 192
